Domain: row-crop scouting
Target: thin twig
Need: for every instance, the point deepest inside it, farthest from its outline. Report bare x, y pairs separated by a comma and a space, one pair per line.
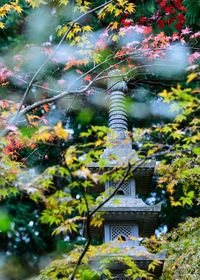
52, 55
89, 238
129, 169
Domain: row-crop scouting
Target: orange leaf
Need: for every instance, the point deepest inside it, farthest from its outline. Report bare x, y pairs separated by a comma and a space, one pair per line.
46, 107
88, 78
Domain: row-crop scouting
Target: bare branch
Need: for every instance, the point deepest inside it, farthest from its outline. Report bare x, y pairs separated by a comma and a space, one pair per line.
89, 238
129, 169
53, 54
37, 86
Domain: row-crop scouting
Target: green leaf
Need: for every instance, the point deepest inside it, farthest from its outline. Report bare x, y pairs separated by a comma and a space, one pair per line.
5, 221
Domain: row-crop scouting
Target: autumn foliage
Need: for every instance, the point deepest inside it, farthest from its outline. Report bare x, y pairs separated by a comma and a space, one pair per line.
53, 77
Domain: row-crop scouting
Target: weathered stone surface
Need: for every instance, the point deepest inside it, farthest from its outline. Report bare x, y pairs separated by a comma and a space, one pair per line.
130, 204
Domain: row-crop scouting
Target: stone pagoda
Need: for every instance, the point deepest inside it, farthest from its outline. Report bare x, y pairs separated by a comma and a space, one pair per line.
130, 219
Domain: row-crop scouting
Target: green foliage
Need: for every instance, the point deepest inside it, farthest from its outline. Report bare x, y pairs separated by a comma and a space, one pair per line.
183, 254
193, 10
94, 265
179, 169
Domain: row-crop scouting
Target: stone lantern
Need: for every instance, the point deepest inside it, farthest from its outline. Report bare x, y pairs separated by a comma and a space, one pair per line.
130, 219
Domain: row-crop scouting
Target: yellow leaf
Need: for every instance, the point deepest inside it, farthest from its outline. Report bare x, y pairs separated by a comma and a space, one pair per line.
60, 131
17, 8
118, 12
130, 8
87, 28
98, 143
175, 203
70, 155
70, 35
97, 221
63, 2
191, 77
2, 25
110, 8
43, 136
114, 25
115, 38
36, 3
96, 57
77, 29
121, 2
5, 9
170, 188
121, 33
164, 93
70, 159
62, 30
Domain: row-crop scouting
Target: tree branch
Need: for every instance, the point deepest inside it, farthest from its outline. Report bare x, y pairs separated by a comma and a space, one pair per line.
51, 56
140, 162
88, 219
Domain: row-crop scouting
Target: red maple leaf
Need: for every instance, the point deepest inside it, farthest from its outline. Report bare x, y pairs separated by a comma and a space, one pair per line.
169, 9
143, 20
170, 20
179, 5
161, 23
162, 3
179, 25
181, 17
88, 78
126, 22
147, 30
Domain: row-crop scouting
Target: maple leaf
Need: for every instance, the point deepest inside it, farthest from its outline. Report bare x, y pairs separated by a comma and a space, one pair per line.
99, 142
179, 6
36, 3
60, 131
191, 77
118, 12
63, 2
87, 28
195, 35
46, 107
193, 57
2, 25
169, 9
114, 25
88, 78
186, 31
4, 10
161, 23
130, 8
143, 20
179, 25
170, 20
163, 3
17, 8
126, 22
43, 135
34, 120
